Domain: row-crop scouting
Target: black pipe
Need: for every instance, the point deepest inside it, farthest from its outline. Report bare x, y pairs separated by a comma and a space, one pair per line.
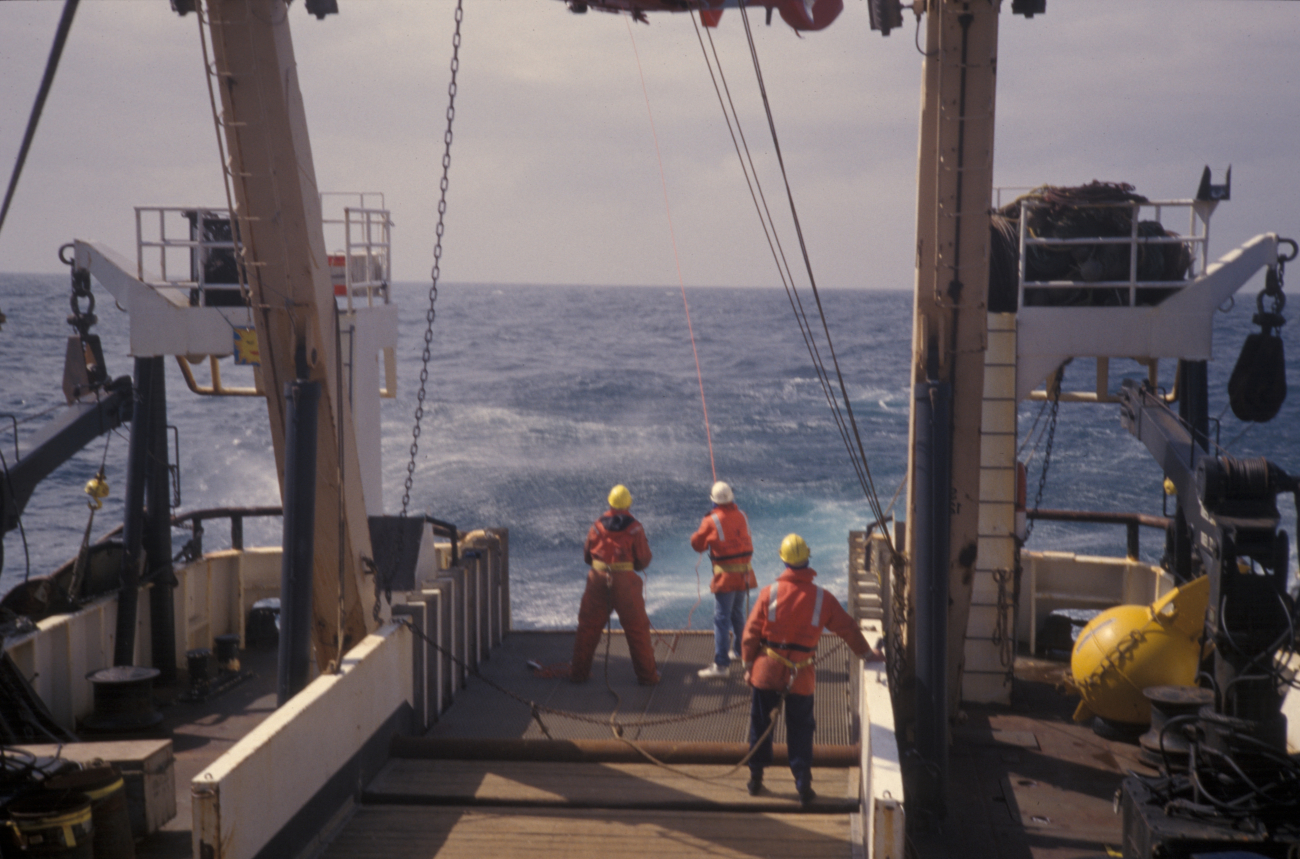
1194, 400
158, 533
302, 401
133, 518
1194, 412
930, 563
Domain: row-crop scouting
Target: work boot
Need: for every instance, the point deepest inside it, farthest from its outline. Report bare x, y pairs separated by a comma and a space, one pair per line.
713, 672
755, 784
806, 796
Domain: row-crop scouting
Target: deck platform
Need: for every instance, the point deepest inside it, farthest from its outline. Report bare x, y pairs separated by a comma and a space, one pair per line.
480, 711
1026, 782
201, 733
503, 808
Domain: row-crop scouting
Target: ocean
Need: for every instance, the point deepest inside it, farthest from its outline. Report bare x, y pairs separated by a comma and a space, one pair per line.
540, 398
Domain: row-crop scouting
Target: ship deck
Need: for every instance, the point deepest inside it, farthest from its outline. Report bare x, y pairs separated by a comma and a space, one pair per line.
1026, 781
446, 807
201, 733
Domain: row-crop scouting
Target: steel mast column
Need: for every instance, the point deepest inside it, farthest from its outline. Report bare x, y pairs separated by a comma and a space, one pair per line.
279, 220
955, 179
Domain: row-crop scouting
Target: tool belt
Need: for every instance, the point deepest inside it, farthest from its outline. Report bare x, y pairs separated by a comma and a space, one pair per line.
736, 568
769, 648
616, 567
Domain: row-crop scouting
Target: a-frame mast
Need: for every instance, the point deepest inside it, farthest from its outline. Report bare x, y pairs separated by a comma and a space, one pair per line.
955, 180
277, 208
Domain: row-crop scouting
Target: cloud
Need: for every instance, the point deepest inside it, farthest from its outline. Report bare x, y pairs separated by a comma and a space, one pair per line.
555, 176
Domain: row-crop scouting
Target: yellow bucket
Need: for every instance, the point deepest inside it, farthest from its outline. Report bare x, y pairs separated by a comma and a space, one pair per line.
53, 824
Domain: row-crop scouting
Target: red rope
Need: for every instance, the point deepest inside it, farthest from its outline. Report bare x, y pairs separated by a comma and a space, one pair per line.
676, 257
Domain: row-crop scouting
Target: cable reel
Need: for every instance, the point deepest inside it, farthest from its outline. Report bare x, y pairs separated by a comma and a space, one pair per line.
1257, 387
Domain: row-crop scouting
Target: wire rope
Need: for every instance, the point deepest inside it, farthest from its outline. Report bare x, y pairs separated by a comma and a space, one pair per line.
672, 235
47, 81
844, 418
768, 225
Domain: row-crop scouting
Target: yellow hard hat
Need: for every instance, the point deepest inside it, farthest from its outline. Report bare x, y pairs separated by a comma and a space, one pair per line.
794, 551
620, 498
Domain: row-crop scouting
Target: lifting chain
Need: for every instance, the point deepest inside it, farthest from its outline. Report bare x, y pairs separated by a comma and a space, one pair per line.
1273, 280
1003, 636
895, 653
79, 319
1047, 452
431, 314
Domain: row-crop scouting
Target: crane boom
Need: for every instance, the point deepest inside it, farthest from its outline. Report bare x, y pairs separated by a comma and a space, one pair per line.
277, 210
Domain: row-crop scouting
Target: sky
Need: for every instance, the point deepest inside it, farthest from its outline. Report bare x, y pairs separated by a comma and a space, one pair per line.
555, 174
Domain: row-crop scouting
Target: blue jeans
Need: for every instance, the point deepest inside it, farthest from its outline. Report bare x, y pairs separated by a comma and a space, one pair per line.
799, 728
728, 617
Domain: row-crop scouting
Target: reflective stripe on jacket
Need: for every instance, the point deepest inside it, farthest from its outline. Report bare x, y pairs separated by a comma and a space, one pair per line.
788, 618
617, 543
725, 533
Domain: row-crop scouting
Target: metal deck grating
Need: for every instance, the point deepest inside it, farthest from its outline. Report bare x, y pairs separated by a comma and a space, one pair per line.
480, 711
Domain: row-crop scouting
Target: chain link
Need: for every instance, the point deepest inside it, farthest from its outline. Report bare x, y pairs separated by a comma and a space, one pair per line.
1002, 636
1047, 453
431, 314
895, 654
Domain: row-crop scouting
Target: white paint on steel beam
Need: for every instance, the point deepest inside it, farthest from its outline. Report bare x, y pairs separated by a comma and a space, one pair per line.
1179, 327
882, 789
162, 321
248, 794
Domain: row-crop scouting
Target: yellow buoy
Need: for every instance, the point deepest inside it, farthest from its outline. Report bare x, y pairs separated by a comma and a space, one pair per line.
97, 489
1129, 648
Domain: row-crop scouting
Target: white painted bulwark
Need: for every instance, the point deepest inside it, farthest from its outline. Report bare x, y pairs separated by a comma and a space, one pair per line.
883, 813
250, 793
1053, 580
212, 597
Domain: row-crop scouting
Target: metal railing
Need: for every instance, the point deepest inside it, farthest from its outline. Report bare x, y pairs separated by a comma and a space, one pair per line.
194, 248
1196, 241
1131, 521
202, 237
364, 268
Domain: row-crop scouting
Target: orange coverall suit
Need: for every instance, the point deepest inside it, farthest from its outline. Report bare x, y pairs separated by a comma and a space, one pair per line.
725, 533
617, 550
782, 631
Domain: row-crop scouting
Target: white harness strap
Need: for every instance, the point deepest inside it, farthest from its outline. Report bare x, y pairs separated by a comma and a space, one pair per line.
717, 523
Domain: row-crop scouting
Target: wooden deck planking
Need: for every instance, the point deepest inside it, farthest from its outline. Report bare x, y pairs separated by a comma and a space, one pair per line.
480, 711
1026, 782
406, 781
452, 833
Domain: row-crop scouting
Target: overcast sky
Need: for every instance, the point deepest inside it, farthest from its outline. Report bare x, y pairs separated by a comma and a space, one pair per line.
554, 176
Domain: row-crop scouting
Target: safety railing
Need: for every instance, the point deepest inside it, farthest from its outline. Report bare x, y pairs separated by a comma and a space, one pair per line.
188, 247
194, 248
363, 227
1097, 260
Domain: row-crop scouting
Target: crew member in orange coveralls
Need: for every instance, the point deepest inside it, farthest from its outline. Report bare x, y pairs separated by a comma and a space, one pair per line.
780, 640
725, 533
616, 551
